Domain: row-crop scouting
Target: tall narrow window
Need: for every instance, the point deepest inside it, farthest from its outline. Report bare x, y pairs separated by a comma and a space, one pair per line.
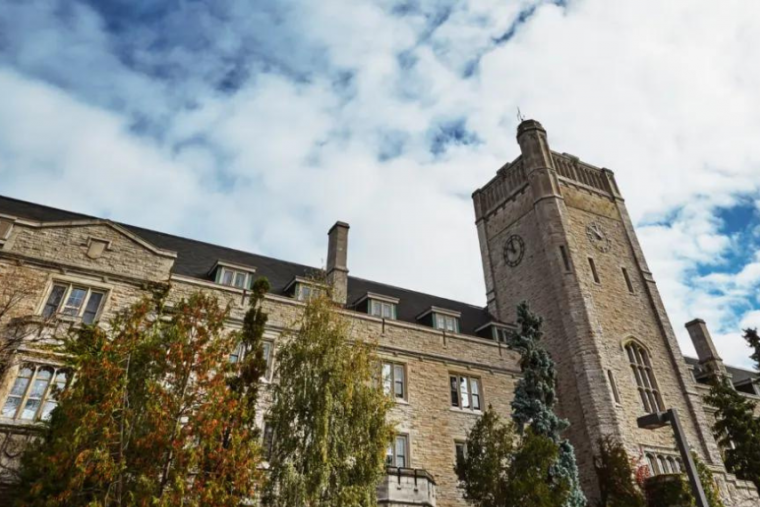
268, 355
593, 270
613, 386
565, 258
397, 454
460, 450
465, 392
267, 440
92, 307
54, 300
394, 380
627, 280
644, 375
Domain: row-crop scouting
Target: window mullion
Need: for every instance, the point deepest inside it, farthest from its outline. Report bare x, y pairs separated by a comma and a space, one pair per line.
65, 298
84, 303
28, 389
44, 396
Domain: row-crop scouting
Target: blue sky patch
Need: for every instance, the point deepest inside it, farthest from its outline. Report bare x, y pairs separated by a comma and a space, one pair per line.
453, 132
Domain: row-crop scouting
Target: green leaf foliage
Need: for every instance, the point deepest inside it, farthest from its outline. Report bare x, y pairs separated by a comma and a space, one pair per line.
675, 490
615, 474
737, 429
535, 397
502, 469
328, 416
157, 414
708, 482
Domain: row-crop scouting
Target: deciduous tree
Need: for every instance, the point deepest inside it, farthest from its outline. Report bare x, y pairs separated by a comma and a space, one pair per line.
502, 469
615, 473
157, 414
328, 416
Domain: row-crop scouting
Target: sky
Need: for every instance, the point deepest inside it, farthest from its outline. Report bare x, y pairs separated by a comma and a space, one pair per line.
258, 124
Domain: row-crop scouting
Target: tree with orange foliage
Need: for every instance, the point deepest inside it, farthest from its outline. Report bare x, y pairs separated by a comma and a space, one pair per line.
157, 414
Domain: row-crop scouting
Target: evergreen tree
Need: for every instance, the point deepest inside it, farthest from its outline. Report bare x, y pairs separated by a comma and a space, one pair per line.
151, 418
500, 469
616, 476
737, 429
753, 340
328, 416
535, 398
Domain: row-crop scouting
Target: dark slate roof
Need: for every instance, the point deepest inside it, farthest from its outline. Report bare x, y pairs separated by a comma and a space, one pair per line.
196, 259
738, 375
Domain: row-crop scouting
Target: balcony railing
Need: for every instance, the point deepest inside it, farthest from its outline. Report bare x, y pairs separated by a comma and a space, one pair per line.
406, 486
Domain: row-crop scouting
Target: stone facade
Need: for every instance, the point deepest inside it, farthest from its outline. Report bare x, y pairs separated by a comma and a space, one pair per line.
542, 205
582, 268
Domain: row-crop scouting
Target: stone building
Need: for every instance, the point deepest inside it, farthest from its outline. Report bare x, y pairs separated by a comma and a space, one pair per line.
553, 230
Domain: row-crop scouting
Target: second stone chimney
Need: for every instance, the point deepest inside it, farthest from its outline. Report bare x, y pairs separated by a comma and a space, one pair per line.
337, 261
706, 351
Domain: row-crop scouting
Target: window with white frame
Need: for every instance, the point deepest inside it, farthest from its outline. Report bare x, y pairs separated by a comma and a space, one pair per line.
397, 453
446, 322
305, 292
394, 380
74, 300
501, 334
268, 347
34, 393
644, 375
382, 309
465, 392
234, 278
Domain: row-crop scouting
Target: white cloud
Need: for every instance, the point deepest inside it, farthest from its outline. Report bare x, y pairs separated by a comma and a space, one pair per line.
664, 94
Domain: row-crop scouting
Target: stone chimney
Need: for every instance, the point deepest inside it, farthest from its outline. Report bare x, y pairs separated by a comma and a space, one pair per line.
337, 261
706, 351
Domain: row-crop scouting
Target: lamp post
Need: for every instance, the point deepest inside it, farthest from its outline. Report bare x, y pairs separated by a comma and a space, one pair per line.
660, 419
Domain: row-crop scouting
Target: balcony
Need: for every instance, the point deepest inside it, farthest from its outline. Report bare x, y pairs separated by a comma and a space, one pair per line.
402, 487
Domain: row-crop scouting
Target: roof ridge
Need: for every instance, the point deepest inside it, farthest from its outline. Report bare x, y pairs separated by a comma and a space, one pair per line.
476, 307
138, 229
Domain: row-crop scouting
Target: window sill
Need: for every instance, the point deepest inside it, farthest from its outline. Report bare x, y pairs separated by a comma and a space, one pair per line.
401, 401
466, 411
21, 424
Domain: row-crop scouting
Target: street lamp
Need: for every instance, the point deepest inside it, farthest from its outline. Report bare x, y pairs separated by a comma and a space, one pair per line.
660, 419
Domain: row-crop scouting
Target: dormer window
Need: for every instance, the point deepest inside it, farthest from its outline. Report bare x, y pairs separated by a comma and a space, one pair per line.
447, 322
305, 292
441, 318
382, 309
495, 331
231, 275
304, 289
377, 305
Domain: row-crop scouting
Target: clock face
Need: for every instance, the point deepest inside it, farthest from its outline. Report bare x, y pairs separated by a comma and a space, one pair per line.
514, 249
598, 237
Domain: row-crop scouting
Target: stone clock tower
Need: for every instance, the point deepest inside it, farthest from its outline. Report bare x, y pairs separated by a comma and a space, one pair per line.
555, 231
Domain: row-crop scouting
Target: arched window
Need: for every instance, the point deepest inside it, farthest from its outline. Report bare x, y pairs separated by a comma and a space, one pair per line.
642, 371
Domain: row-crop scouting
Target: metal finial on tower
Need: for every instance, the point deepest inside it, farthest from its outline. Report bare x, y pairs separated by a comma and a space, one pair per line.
520, 116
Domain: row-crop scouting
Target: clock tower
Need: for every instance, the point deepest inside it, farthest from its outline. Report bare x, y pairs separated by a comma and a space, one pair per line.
554, 231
